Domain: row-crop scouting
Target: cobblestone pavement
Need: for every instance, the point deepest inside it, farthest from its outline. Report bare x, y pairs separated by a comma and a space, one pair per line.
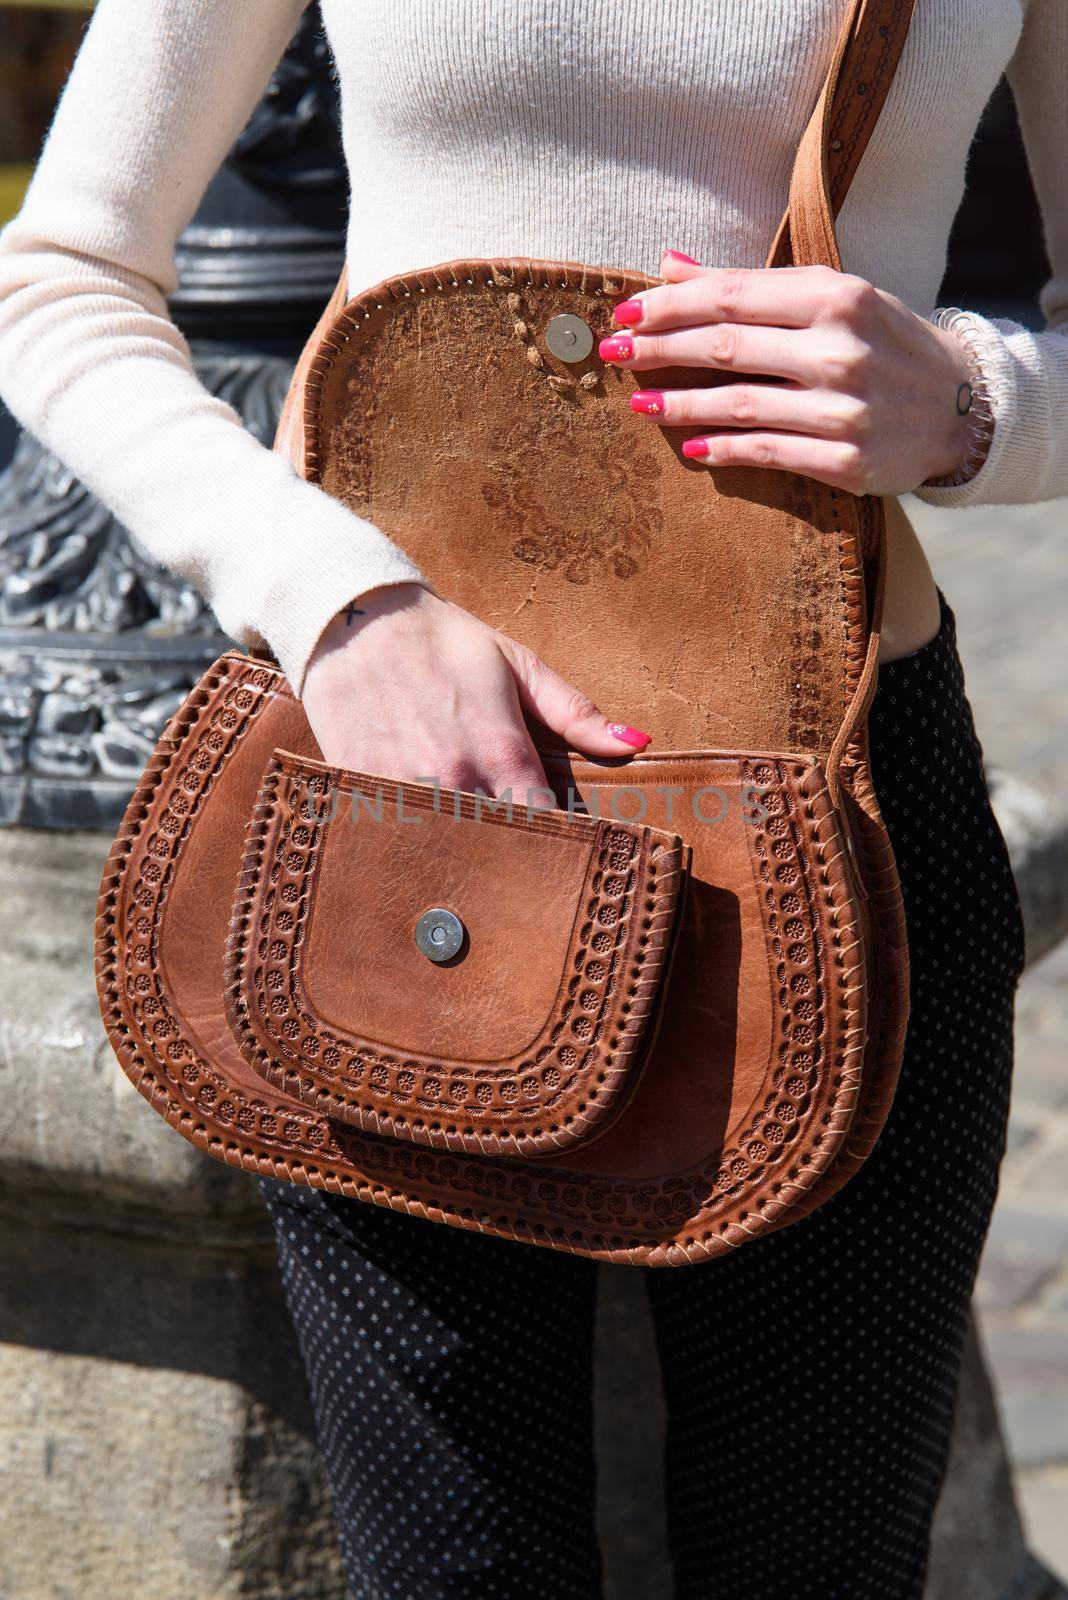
1005, 573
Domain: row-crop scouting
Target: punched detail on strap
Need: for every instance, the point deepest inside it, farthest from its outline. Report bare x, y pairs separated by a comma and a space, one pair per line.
862, 70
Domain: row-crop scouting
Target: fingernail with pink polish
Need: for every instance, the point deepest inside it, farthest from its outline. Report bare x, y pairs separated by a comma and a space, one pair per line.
650, 402
629, 312
695, 447
632, 736
678, 255
617, 349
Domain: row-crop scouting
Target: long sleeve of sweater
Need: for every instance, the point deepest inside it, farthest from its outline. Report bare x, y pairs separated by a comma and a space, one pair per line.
596, 130
1026, 372
91, 362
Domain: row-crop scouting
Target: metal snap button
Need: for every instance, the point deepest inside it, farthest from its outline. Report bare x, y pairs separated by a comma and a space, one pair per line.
568, 337
439, 934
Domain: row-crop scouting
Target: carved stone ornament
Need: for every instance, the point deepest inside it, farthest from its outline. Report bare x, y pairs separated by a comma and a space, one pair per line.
98, 643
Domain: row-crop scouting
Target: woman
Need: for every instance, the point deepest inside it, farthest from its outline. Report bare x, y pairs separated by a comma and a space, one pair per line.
810, 1375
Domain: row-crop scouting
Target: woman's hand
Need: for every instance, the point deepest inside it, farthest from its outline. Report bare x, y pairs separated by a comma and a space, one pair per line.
406, 685
866, 396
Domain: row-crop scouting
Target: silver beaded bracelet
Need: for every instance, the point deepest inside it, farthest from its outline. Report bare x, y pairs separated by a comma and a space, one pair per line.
973, 399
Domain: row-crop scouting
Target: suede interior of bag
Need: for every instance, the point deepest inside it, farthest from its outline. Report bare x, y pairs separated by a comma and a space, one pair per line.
531, 494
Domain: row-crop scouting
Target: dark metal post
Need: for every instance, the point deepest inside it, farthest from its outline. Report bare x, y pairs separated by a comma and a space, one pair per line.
98, 644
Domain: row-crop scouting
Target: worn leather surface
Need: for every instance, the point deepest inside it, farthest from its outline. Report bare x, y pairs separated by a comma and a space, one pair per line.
560, 1082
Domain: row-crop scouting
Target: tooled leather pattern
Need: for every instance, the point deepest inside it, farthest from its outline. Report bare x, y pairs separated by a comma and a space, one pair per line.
618, 541
866, 75
147, 1034
564, 1087
858, 84
888, 983
789, 1139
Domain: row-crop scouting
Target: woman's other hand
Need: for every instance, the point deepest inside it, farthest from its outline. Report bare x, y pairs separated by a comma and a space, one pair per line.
407, 685
842, 382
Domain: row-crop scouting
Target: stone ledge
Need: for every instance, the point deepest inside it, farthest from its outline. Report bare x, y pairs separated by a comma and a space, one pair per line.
1035, 827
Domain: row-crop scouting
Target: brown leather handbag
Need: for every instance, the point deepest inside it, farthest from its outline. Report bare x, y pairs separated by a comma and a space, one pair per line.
654, 1022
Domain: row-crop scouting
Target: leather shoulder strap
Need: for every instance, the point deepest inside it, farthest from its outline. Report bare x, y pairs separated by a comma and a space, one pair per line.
862, 69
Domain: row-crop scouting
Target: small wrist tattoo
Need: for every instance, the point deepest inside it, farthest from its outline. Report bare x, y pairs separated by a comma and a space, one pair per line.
354, 611
973, 397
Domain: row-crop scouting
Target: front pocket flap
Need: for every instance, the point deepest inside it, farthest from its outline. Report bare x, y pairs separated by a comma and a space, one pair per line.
343, 992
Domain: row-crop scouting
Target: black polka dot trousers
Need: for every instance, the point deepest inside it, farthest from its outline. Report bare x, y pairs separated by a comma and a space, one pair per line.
809, 1376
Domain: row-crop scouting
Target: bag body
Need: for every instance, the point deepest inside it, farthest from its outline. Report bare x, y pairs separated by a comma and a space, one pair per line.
645, 1026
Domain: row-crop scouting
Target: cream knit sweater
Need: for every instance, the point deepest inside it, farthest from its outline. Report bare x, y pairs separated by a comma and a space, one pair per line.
597, 130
